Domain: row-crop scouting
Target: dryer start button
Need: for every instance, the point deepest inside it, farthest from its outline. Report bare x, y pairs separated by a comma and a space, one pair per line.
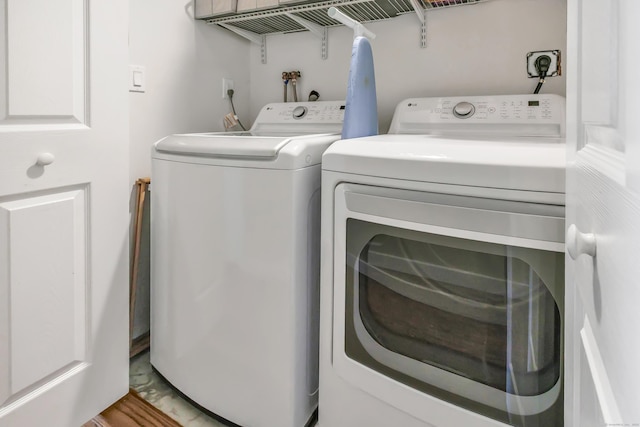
463, 110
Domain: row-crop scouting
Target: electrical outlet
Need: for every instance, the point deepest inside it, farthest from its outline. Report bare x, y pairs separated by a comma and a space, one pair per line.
226, 85
554, 67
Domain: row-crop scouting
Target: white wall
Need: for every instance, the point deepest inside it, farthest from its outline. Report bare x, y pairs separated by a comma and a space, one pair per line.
185, 62
474, 49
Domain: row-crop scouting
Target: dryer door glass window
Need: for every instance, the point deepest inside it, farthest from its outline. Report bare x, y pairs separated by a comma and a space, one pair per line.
471, 322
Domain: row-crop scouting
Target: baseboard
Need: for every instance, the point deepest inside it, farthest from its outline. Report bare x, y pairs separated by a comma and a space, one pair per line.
140, 344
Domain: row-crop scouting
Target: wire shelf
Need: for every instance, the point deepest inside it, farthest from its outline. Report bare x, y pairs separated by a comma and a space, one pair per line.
313, 16
438, 4
273, 21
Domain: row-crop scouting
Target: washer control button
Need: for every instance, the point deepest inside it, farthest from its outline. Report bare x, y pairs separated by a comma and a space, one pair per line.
463, 110
299, 112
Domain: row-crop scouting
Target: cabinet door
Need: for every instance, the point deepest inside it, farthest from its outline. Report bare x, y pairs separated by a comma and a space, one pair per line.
63, 210
603, 214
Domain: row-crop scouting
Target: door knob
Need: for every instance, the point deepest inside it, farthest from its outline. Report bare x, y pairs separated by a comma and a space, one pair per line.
579, 243
45, 159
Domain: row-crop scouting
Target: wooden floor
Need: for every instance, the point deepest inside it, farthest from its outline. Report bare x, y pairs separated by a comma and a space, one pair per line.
132, 411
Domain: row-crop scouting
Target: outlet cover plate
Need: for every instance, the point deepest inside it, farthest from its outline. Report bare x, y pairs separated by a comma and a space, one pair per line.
554, 69
226, 85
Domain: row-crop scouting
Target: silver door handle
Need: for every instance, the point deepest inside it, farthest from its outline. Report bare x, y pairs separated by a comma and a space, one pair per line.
579, 243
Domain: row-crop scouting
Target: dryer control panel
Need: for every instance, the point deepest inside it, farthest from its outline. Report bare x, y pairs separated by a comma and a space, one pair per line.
514, 115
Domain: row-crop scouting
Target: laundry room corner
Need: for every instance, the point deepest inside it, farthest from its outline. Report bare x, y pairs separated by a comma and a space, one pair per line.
477, 49
184, 61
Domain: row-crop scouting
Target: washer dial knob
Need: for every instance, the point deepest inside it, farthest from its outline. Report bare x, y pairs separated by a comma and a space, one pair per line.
463, 110
299, 112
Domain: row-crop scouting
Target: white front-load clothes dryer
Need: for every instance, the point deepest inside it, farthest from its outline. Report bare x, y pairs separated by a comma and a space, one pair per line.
442, 267
235, 229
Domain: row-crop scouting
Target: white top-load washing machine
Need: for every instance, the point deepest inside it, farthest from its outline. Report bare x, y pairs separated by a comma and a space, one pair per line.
235, 228
442, 267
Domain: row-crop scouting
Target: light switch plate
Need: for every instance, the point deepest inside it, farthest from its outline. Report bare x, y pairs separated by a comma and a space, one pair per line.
137, 78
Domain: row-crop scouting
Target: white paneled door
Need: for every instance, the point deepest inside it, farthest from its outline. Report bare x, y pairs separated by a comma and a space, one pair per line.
603, 214
63, 210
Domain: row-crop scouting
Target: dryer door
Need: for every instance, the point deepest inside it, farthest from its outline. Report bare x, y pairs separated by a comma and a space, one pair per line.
458, 298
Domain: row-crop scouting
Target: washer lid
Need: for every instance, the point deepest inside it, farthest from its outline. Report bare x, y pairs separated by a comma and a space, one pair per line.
225, 144
530, 164
245, 149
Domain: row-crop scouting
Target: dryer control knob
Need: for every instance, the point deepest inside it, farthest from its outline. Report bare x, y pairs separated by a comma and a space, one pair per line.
299, 112
464, 110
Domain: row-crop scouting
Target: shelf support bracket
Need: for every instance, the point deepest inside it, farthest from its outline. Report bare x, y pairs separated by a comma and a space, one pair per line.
252, 37
321, 32
358, 29
421, 12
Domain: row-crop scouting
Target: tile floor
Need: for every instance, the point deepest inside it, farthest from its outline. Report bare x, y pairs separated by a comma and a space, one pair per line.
156, 391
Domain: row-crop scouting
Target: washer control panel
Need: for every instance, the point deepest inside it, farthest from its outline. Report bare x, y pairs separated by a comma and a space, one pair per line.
302, 112
529, 114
